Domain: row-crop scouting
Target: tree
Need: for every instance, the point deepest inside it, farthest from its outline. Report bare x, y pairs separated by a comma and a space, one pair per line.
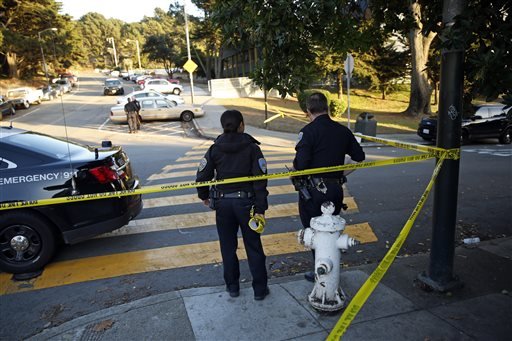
162, 48
282, 31
20, 23
389, 65
420, 23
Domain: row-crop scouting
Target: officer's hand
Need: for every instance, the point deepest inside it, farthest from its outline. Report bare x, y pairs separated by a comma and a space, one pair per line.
259, 215
206, 202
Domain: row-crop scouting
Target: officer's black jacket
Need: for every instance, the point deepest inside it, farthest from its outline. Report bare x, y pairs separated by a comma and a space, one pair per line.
324, 143
235, 155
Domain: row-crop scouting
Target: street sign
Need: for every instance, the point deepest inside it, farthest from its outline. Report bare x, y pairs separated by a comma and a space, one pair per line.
190, 66
349, 65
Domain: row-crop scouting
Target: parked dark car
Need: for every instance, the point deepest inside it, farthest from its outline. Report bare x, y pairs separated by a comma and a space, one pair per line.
113, 86
34, 166
6, 107
488, 121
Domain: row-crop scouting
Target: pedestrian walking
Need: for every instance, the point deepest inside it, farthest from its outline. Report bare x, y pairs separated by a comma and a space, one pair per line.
322, 143
236, 154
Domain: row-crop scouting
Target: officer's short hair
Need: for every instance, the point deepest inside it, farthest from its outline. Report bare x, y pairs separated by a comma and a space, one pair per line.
317, 103
230, 120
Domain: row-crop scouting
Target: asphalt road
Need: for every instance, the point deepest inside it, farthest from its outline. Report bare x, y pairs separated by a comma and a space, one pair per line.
173, 245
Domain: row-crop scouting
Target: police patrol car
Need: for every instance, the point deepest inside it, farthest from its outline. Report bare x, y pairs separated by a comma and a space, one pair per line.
34, 166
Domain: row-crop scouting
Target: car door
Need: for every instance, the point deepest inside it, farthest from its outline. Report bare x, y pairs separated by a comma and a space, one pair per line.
148, 109
164, 109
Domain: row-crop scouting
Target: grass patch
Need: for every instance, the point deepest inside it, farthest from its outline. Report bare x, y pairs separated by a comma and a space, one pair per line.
388, 113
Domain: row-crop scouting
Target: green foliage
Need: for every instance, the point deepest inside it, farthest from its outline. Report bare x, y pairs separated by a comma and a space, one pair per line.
336, 106
282, 30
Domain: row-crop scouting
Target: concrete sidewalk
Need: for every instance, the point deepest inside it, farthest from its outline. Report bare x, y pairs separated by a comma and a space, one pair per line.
397, 309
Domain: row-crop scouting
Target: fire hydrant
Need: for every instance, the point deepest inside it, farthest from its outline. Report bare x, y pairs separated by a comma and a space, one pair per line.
326, 238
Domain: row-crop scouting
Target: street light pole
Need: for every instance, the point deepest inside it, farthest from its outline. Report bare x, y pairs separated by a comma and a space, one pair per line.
191, 76
111, 40
45, 69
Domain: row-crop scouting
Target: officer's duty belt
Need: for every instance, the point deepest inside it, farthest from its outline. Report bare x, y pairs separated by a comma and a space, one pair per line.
330, 180
233, 195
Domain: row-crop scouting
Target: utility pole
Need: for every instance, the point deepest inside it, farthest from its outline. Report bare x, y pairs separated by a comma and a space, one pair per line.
111, 40
191, 75
440, 272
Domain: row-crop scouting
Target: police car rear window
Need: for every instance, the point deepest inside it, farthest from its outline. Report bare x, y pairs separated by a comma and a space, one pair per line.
45, 145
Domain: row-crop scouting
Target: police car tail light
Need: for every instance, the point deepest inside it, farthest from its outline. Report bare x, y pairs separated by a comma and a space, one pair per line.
104, 174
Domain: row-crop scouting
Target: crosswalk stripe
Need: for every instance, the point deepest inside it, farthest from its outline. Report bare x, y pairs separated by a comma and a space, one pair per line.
264, 148
192, 173
172, 257
200, 219
193, 199
174, 200
268, 152
269, 158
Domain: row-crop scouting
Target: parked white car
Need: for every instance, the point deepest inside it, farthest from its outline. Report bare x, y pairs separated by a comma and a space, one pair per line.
162, 85
24, 97
151, 93
155, 108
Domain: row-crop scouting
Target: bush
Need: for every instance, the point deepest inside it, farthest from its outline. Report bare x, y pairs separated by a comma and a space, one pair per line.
337, 106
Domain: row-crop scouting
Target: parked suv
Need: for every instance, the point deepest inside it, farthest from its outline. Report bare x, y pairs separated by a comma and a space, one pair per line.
162, 85
488, 121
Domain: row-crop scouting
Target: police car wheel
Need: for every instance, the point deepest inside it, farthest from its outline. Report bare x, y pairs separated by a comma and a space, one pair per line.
27, 242
176, 91
26, 105
187, 116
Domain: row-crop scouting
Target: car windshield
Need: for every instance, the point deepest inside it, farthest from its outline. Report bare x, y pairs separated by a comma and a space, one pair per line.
112, 83
46, 145
16, 93
62, 81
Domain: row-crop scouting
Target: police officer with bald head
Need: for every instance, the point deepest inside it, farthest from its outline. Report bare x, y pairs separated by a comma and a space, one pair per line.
323, 143
236, 154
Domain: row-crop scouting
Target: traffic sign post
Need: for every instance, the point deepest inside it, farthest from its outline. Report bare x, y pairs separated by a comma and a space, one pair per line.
349, 67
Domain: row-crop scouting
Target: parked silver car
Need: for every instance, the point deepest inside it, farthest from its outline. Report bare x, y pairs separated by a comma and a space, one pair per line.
155, 108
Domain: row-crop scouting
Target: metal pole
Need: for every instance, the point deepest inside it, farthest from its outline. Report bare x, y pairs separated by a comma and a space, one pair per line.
440, 273
348, 99
44, 62
138, 53
191, 76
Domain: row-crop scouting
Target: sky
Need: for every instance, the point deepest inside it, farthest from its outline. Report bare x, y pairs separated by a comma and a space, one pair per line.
125, 10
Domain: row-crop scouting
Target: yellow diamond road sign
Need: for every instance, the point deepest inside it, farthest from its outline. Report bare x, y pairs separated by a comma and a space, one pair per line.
190, 66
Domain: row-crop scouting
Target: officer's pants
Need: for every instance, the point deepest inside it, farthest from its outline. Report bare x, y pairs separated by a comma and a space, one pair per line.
312, 208
230, 215
132, 121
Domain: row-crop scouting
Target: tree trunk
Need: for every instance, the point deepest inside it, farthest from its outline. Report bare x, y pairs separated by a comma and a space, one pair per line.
340, 83
12, 64
435, 93
419, 100
383, 93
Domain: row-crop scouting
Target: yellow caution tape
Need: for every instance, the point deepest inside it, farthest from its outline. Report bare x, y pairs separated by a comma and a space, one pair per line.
448, 153
281, 114
371, 283
186, 185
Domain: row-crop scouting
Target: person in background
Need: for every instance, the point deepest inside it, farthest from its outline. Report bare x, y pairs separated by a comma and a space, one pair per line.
322, 143
236, 154
139, 118
131, 116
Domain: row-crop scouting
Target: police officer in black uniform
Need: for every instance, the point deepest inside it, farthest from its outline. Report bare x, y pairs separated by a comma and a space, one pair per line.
322, 143
236, 154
